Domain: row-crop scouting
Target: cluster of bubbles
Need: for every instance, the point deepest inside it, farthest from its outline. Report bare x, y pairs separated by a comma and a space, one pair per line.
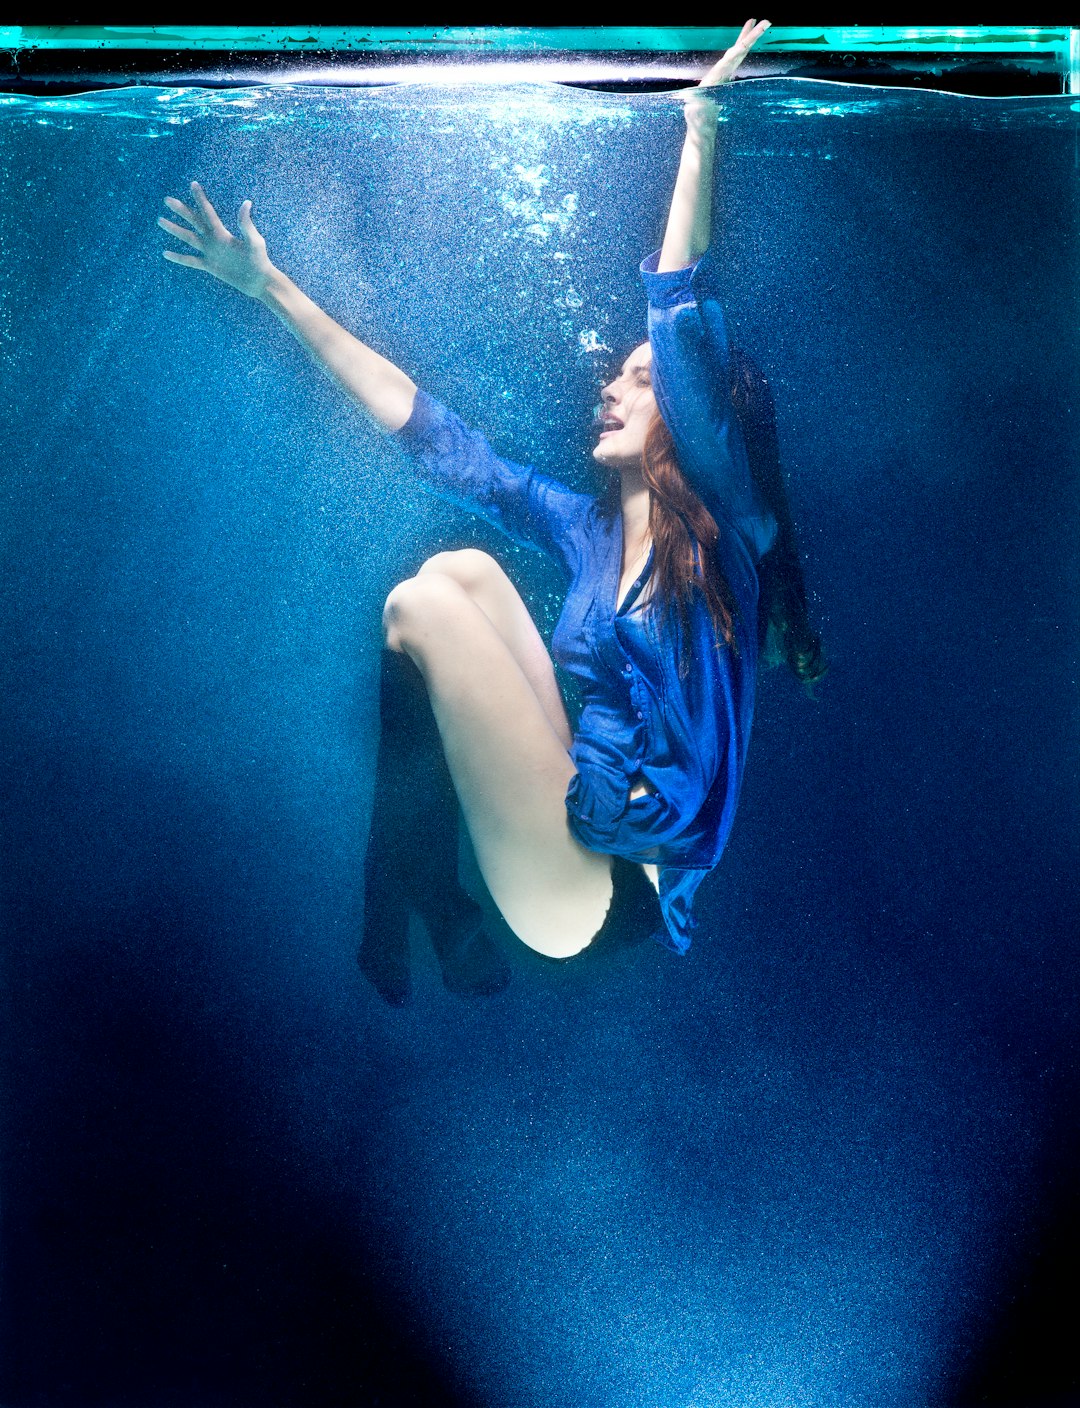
549, 220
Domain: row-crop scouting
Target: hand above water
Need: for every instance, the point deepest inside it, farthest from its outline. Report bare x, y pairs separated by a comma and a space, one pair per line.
724, 69
240, 261
729, 62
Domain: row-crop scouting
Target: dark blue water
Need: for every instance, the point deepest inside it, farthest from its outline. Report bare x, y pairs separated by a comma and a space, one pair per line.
823, 1161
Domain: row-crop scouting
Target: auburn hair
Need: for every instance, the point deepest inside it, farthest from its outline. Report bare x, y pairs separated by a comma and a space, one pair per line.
685, 535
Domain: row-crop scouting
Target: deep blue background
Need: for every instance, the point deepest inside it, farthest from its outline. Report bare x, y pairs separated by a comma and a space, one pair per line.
826, 1159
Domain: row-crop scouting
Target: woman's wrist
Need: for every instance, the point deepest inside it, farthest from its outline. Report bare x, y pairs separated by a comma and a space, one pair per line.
702, 118
275, 289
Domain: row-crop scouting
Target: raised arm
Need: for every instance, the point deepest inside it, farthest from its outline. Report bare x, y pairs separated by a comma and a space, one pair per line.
690, 351
689, 225
381, 388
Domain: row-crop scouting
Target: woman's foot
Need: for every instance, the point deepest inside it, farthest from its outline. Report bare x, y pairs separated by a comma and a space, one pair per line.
470, 962
384, 955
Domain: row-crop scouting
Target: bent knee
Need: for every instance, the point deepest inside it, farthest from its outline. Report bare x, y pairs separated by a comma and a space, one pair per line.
468, 567
414, 603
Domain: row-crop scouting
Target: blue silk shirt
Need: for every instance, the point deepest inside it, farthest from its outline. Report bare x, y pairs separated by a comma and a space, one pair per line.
672, 712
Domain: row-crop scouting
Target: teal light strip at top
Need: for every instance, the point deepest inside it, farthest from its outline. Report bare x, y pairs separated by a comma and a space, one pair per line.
594, 39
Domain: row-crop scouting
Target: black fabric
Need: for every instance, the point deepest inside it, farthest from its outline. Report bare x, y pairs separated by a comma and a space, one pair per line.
634, 914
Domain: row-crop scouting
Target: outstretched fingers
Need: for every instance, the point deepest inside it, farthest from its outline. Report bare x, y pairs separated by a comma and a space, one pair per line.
749, 35
178, 232
185, 212
209, 214
237, 260
191, 260
728, 64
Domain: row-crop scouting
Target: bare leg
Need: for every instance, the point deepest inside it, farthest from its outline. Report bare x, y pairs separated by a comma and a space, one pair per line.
507, 758
492, 590
481, 577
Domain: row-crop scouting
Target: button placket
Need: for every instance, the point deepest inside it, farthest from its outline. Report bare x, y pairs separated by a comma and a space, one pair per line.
635, 694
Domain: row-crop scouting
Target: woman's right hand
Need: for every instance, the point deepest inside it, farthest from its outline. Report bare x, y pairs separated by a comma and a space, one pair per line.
240, 261
383, 389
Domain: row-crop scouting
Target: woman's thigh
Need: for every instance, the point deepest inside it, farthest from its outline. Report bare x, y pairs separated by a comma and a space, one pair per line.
492, 590
510, 768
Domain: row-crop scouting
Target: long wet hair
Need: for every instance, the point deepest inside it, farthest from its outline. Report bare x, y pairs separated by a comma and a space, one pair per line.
685, 536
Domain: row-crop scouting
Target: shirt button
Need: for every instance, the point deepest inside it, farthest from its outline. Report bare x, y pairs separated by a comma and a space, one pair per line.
628, 669
638, 714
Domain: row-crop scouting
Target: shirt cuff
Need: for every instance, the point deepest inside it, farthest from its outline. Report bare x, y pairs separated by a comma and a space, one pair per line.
675, 286
596, 802
426, 418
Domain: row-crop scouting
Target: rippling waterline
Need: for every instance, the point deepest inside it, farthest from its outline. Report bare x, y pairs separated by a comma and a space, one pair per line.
783, 99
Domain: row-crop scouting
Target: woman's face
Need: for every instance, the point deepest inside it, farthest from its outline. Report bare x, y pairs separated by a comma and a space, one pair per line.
627, 408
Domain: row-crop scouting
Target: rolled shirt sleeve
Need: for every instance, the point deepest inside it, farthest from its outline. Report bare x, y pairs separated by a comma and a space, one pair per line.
603, 817
460, 466
692, 381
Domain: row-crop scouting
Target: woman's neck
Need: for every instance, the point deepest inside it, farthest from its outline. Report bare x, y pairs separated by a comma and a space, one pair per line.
634, 502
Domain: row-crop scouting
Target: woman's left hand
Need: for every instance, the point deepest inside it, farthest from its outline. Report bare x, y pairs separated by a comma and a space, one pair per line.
699, 111
729, 63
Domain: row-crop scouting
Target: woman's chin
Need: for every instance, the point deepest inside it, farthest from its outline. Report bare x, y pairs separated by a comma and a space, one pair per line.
616, 464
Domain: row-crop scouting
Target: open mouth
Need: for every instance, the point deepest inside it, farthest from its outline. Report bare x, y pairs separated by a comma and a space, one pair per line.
609, 423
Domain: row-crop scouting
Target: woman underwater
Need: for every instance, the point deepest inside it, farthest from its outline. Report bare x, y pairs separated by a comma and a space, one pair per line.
608, 829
